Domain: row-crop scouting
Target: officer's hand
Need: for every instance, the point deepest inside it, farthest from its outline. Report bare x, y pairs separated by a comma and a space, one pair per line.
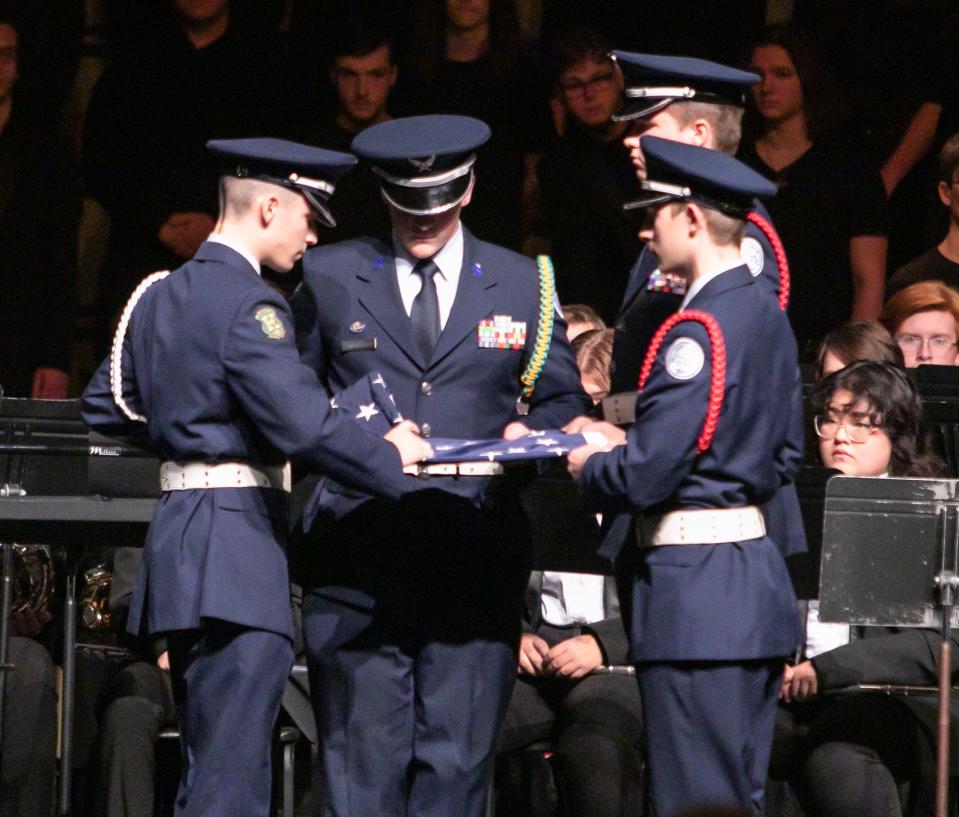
576, 425
799, 682
515, 430
406, 437
574, 657
183, 233
576, 459
49, 384
532, 651
614, 434
163, 660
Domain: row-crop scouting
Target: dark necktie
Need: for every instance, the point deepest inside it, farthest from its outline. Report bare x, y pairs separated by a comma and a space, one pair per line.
425, 314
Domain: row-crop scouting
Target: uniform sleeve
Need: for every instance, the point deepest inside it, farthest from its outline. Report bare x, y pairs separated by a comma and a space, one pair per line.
558, 396
100, 411
289, 406
660, 447
907, 657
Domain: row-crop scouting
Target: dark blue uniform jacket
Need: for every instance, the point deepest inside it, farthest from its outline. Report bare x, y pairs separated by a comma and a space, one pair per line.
710, 602
218, 384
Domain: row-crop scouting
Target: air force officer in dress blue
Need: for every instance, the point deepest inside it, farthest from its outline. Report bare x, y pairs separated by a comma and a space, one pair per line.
411, 616
205, 373
714, 613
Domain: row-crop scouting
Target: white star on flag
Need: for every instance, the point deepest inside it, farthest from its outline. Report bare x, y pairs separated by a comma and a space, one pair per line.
379, 381
515, 450
546, 442
537, 433
492, 455
367, 412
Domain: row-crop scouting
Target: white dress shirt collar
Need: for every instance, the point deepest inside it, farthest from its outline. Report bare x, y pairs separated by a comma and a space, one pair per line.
449, 259
237, 247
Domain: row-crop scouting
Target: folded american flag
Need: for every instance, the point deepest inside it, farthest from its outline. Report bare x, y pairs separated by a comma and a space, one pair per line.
369, 400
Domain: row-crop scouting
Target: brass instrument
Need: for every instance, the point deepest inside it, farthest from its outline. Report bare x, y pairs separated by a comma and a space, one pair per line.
32, 577
95, 599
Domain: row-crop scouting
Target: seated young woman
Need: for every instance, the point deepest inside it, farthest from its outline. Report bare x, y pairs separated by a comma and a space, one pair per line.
852, 752
856, 340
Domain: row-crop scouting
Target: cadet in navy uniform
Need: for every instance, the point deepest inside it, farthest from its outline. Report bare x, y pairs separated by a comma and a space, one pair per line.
700, 103
714, 613
411, 617
205, 373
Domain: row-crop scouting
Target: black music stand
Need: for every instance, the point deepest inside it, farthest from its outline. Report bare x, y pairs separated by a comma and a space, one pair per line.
890, 556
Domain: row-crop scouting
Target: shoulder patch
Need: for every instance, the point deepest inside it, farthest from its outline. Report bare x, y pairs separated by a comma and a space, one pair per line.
753, 255
270, 322
684, 359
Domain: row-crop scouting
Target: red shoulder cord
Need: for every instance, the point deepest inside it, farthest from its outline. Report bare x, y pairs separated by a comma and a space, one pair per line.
772, 237
717, 381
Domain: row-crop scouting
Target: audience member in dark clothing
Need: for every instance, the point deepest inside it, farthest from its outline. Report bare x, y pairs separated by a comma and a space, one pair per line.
362, 74
572, 634
193, 77
830, 208
28, 750
941, 263
467, 60
848, 754
39, 213
586, 176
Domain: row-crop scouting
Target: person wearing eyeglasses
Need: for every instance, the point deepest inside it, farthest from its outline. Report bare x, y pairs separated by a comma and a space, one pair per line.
849, 754
924, 320
585, 177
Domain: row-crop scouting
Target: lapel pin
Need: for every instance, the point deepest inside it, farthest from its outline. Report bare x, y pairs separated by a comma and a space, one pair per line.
477, 270
357, 326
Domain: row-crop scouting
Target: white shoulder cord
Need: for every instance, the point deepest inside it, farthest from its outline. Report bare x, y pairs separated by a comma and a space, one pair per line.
116, 352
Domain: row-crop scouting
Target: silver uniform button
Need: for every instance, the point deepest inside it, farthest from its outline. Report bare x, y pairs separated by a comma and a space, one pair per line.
426, 430
426, 387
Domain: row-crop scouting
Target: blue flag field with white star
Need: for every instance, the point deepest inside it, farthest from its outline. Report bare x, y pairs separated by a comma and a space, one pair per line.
369, 401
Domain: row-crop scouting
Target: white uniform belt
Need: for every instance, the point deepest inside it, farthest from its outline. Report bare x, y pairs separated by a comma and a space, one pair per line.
701, 527
452, 469
187, 476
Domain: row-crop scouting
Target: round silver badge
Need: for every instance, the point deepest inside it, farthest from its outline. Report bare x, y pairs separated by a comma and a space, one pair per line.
684, 359
752, 252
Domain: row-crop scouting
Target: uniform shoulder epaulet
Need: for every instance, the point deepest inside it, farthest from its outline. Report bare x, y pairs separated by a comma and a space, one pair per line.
116, 351
717, 381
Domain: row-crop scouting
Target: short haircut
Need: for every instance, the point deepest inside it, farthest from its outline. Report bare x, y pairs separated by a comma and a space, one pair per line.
238, 194
949, 159
723, 228
926, 296
581, 313
859, 340
594, 351
725, 120
578, 44
357, 36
